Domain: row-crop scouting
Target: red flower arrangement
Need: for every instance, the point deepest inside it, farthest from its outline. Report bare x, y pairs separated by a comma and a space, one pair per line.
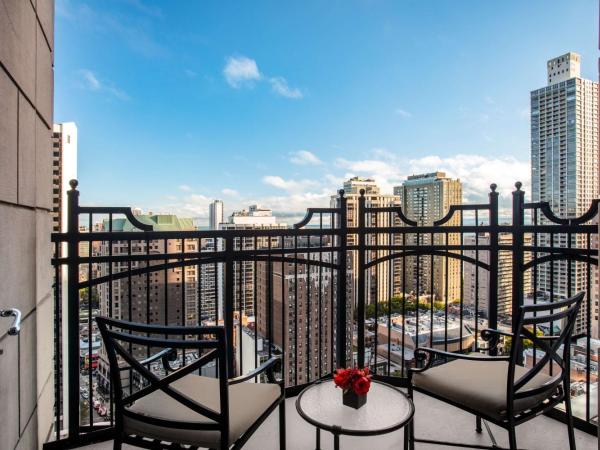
359, 380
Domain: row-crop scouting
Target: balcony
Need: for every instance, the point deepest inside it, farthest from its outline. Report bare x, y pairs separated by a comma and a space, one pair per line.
327, 292
448, 423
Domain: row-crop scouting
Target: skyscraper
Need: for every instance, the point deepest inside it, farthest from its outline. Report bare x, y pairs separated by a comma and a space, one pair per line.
302, 315
377, 280
426, 198
564, 163
64, 169
255, 218
165, 297
215, 214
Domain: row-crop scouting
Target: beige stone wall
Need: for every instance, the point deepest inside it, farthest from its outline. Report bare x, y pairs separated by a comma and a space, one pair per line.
26, 107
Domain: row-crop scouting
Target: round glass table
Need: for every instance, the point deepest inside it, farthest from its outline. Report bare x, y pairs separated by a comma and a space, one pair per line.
387, 409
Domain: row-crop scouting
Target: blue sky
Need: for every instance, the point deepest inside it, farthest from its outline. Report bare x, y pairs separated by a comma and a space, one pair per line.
178, 103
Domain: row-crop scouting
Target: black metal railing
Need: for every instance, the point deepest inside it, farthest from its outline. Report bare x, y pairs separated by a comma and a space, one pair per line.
351, 284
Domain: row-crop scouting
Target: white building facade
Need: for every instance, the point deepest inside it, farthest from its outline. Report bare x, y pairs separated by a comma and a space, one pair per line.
564, 164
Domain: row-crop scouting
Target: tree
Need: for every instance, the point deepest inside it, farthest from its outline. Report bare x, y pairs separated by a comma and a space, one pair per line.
398, 306
84, 298
527, 343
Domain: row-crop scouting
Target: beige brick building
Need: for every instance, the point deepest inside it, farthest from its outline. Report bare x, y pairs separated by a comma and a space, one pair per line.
426, 198
26, 117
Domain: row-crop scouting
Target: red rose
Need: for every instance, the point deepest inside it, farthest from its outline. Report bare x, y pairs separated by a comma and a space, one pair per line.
361, 385
342, 378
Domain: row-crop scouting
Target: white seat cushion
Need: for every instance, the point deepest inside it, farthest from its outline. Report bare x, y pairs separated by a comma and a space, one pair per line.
479, 385
247, 402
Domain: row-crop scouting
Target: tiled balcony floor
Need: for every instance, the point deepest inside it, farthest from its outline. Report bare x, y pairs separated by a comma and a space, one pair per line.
433, 419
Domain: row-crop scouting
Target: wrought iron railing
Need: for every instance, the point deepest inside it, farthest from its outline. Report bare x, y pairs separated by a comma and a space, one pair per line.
330, 291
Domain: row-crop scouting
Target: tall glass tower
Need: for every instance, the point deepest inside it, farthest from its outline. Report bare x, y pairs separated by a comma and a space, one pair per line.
564, 163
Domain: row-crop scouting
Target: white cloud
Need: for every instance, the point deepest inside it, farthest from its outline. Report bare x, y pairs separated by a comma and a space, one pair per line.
240, 71
187, 206
194, 205
289, 197
289, 185
335, 181
132, 32
93, 83
384, 169
230, 192
190, 73
185, 188
91, 80
292, 208
280, 86
118, 93
153, 11
304, 157
403, 113
476, 172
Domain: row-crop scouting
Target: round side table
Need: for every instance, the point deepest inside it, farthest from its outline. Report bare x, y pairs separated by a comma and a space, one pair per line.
387, 409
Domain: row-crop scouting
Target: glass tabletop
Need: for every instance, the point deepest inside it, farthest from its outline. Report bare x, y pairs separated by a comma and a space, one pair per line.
386, 409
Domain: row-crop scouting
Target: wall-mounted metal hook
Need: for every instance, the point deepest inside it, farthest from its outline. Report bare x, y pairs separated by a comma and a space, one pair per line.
16, 326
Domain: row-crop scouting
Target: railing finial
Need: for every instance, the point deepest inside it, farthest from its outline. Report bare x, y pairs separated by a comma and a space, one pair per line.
73, 183
341, 192
518, 185
493, 187
362, 192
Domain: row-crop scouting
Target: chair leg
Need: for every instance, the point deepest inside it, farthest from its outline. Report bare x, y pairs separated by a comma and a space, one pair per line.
117, 444
569, 411
282, 425
478, 428
410, 428
408, 437
512, 438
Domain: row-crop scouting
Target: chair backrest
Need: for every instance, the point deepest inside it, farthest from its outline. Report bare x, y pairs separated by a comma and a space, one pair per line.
126, 342
562, 313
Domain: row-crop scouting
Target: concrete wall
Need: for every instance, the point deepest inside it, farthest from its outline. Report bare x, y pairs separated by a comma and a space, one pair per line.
26, 108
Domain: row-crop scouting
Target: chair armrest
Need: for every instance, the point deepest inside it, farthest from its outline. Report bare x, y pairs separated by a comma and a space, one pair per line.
429, 353
268, 367
164, 354
491, 335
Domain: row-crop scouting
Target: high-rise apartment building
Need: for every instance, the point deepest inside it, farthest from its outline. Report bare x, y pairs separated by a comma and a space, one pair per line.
244, 277
377, 280
166, 297
64, 169
426, 198
477, 279
212, 274
302, 315
215, 214
564, 165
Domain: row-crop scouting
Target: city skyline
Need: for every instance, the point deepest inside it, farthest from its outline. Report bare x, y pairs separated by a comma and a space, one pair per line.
262, 107
258, 195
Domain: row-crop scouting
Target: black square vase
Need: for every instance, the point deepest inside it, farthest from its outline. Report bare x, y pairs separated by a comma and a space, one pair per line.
353, 400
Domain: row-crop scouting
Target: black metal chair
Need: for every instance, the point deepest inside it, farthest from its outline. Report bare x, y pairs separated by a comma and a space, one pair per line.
499, 389
168, 408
